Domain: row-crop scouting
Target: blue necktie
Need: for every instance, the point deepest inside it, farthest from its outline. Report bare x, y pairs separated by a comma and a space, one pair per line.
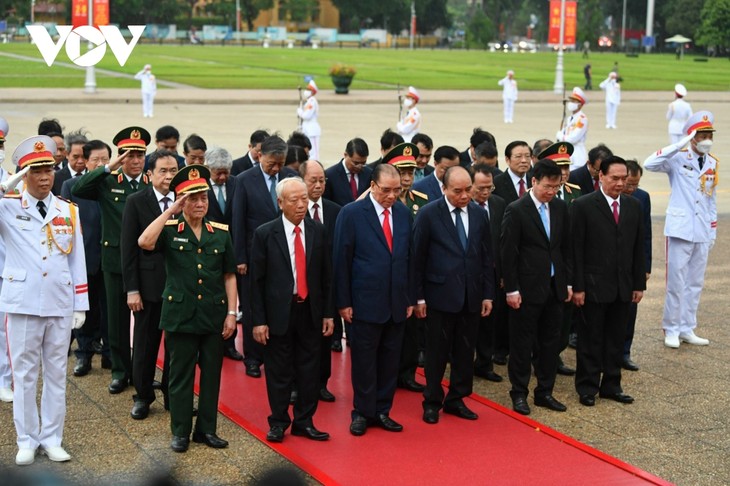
221, 199
460, 228
546, 225
419, 175
272, 190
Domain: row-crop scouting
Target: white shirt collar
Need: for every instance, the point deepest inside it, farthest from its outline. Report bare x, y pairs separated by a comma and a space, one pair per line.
289, 226
159, 195
610, 200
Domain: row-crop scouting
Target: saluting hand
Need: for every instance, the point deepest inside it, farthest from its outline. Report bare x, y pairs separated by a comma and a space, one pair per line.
117, 163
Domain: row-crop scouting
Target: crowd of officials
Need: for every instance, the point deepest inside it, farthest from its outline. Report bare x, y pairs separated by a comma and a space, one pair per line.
470, 261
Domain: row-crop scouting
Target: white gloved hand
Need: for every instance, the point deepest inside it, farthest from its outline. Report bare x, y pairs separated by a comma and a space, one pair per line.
13, 180
78, 319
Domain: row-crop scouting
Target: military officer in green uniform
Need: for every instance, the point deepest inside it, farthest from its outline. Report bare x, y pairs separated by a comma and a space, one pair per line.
198, 303
560, 153
110, 185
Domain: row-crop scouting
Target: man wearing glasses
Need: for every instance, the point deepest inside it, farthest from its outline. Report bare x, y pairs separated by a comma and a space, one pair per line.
513, 183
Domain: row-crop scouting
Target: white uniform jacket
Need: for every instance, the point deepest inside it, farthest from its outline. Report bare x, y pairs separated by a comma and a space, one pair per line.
509, 88
309, 113
149, 82
612, 89
575, 131
409, 125
678, 113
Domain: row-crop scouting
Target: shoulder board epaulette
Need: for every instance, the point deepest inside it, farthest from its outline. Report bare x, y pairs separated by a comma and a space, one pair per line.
419, 194
713, 156
171, 222
684, 150
573, 186
67, 200
12, 195
220, 226
114, 172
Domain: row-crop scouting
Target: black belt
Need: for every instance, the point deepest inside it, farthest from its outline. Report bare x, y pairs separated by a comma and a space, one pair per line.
295, 299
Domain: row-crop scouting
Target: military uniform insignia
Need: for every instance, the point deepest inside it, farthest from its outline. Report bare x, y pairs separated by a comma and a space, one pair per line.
193, 174
145, 179
120, 178
407, 151
563, 149
415, 208
39, 147
117, 191
171, 222
135, 135
209, 227
181, 227
220, 226
708, 181
419, 194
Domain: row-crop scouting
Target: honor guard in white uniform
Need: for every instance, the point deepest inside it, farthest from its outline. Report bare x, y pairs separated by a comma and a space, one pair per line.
6, 377
509, 95
690, 226
149, 90
308, 115
613, 98
575, 128
678, 113
44, 294
411, 122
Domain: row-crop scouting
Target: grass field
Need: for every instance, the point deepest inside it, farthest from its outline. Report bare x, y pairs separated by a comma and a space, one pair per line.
277, 68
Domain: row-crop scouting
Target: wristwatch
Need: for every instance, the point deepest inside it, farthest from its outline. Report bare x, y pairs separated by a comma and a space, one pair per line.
232, 313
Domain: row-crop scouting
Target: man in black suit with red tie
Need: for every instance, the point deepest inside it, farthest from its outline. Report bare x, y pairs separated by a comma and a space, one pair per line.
291, 303
349, 178
478, 136
536, 266
608, 274
514, 182
454, 275
251, 158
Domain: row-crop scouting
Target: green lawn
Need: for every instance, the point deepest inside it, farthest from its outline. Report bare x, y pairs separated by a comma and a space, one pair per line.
278, 68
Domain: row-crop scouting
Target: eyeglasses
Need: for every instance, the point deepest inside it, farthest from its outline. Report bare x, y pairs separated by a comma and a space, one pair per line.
485, 189
521, 157
389, 190
99, 160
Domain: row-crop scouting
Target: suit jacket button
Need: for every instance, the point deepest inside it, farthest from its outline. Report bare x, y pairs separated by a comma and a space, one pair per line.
200, 297
200, 266
116, 199
10, 278
215, 251
45, 274
181, 248
106, 243
200, 250
200, 281
169, 297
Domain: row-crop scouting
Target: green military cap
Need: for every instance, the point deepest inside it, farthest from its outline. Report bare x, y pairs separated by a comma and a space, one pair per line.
132, 138
402, 156
190, 179
559, 152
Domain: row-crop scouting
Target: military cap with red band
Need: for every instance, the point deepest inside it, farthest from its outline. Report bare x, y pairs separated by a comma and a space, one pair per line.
558, 152
132, 138
35, 151
701, 121
402, 156
190, 179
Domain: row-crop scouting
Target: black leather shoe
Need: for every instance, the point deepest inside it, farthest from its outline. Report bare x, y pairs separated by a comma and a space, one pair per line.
421, 359
387, 423
140, 410
211, 440
549, 401
231, 353
431, 416
519, 405
587, 400
499, 360
118, 385
617, 397
358, 426
488, 375
325, 395
461, 411
106, 363
276, 434
411, 385
83, 366
565, 370
253, 370
627, 364
96, 346
310, 433
336, 345
179, 444
156, 385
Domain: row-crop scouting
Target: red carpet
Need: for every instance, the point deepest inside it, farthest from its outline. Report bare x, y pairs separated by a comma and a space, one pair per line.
501, 447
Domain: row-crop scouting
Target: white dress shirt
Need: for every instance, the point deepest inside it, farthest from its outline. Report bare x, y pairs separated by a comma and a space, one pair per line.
290, 235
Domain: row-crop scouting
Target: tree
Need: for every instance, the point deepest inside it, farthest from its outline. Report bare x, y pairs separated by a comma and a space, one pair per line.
250, 10
431, 15
682, 17
480, 30
715, 19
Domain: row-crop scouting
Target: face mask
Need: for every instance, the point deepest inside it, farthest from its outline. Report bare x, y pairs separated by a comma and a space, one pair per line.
572, 106
307, 93
2, 156
408, 102
704, 146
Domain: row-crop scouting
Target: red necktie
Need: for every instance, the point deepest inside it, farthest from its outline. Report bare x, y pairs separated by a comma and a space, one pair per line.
386, 230
522, 188
615, 211
316, 213
300, 261
595, 184
353, 186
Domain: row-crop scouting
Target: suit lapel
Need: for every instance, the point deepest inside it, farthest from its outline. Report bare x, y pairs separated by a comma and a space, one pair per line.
279, 236
448, 223
263, 186
373, 219
308, 238
535, 215
472, 210
602, 204
151, 200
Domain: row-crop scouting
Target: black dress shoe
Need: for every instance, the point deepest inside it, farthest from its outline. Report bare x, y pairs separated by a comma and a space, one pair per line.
231, 353
411, 385
421, 359
118, 385
140, 410
310, 433
587, 400
96, 347
211, 440
156, 385
387, 423
253, 370
431, 416
83, 366
179, 444
617, 397
106, 363
549, 401
325, 395
276, 434
565, 370
461, 411
499, 360
488, 375
519, 405
358, 426
627, 364
336, 345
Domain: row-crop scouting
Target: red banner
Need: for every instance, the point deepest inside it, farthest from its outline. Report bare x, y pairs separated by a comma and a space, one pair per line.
80, 12
571, 18
101, 12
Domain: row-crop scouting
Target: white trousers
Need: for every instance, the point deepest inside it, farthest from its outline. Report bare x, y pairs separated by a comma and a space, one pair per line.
314, 153
509, 110
611, 109
148, 101
686, 263
34, 341
6, 377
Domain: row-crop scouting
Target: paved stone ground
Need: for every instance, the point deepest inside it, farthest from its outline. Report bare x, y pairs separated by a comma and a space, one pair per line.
679, 426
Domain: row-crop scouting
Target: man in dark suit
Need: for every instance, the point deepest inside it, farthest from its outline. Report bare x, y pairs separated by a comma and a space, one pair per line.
349, 178
486, 154
144, 276
220, 210
478, 137
608, 240
373, 282
291, 302
432, 185
425, 146
388, 140
454, 274
587, 176
252, 156
76, 166
536, 266
254, 203
167, 137
514, 182
495, 324
325, 212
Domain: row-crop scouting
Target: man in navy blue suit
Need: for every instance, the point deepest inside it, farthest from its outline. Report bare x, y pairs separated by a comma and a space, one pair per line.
349, 178
444, 158
454, 272
587, 176
372, 275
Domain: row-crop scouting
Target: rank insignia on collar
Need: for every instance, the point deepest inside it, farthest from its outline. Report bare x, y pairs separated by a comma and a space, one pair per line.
209, 227
181, 227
